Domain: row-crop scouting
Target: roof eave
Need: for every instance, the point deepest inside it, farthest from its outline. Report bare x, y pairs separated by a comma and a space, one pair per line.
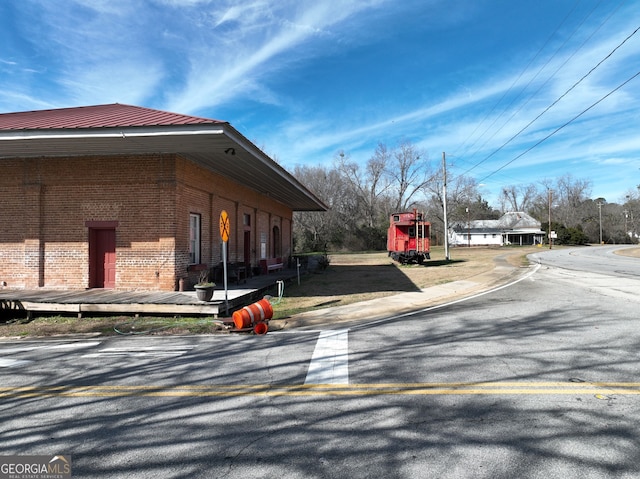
112, 132
208, 144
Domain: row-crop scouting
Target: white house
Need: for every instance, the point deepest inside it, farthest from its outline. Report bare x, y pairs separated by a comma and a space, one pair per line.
516, 228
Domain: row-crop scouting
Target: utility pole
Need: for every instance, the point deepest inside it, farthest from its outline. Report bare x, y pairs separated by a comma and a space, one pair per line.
468, 229
550, 239
444, 204
600, 216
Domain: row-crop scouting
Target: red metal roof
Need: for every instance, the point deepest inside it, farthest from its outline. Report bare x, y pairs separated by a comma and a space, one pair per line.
98, 116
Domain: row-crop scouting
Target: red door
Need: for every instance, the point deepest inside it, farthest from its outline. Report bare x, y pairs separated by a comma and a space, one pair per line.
102, 258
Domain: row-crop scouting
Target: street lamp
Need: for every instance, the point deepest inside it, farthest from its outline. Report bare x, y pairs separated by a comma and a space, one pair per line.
626, 233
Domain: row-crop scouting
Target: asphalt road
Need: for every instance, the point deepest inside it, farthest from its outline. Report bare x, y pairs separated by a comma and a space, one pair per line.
535, 380
600, 259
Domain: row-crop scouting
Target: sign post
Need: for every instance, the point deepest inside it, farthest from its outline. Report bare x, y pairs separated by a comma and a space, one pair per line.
225, 228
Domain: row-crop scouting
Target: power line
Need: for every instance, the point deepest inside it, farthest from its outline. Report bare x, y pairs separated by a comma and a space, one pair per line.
547, 81
540, 70
513, 84
552, 105
561, 127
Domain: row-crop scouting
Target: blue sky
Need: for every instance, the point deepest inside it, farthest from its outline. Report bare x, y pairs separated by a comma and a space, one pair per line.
305, 79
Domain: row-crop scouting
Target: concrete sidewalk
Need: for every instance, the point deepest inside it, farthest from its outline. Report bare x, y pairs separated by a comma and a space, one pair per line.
347, 316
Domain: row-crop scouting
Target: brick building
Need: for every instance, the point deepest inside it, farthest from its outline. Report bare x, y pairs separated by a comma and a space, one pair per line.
119, 196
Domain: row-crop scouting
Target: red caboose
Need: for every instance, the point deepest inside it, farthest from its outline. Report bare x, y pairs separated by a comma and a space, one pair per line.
408, 237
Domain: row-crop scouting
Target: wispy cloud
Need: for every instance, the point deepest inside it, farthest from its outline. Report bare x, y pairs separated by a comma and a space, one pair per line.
99, 56
246, 44
189, 55
462, 118
291, 71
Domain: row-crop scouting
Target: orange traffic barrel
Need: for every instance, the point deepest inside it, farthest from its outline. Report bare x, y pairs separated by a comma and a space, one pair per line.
249, 315
261, 327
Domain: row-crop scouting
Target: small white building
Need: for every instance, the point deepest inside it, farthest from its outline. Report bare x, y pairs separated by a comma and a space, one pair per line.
514, 228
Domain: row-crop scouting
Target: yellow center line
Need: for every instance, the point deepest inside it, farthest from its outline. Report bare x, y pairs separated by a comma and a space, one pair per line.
400, 389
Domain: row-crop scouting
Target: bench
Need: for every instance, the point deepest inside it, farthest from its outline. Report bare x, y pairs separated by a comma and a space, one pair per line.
271, 264
237, 272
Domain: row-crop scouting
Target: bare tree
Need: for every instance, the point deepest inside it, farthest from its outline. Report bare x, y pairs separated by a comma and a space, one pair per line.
518, 198
369, 185
314, 230
410, 173
569, 202
462, 193
565, 201
632, 214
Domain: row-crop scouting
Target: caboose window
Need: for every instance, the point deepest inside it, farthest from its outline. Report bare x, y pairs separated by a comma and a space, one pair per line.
412, 231
396, 218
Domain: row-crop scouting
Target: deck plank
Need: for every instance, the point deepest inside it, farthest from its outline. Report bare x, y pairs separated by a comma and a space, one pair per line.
109, 301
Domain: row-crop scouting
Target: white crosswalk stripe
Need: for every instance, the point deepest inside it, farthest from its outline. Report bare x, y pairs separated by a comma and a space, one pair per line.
330, 360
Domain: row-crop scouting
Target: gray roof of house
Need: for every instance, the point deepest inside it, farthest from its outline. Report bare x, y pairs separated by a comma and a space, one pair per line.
516, 221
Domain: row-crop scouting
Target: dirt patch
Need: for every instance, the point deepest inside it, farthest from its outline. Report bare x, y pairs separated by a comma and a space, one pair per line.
632, 252
352, 278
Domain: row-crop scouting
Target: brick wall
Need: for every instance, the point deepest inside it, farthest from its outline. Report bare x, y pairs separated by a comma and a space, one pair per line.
49, 244
47, 202
14, 261
197, 188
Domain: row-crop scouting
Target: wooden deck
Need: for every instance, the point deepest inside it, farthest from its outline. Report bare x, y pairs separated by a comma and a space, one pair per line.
109, 301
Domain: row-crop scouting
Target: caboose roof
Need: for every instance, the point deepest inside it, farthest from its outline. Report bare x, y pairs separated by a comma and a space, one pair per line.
408, 218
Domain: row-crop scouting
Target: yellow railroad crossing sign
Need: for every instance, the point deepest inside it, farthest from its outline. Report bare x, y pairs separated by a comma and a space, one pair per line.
225, 227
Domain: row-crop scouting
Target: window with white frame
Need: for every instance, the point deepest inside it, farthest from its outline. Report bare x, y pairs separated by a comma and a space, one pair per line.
194, 238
